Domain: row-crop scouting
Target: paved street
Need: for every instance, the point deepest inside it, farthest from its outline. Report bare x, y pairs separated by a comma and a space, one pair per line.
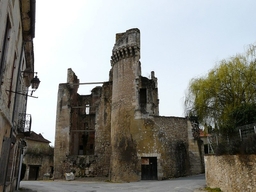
184, 184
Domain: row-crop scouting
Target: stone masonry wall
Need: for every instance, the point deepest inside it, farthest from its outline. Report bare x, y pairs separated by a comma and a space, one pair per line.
167, 136
103, 131
231, 173
81, 165
44, 161
168, 139
39, 154
66, 92
62, 130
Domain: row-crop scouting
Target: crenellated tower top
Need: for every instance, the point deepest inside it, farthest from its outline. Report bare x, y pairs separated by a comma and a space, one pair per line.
127, 45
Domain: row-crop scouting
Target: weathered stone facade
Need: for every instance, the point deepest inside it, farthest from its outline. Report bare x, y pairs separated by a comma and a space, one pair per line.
126, 139
231, 173
17, 30
38, 157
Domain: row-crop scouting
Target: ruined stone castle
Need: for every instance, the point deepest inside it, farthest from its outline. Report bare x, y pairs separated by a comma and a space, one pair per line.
116, 131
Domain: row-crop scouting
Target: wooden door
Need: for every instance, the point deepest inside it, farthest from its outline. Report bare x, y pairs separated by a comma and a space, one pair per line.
149, 168
33, 172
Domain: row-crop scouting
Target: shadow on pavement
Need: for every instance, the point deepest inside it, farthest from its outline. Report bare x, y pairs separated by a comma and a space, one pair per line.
25, 190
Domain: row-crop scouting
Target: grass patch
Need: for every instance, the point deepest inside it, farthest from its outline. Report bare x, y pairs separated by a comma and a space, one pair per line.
213, 189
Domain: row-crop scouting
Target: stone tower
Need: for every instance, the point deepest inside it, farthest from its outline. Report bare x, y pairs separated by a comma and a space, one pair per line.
126, 72
116, 131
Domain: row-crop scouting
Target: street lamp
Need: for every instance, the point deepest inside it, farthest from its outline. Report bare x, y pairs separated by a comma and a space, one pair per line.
34, 85
35, 82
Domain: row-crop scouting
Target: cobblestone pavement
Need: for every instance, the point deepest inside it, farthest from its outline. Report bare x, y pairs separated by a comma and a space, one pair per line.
183, 184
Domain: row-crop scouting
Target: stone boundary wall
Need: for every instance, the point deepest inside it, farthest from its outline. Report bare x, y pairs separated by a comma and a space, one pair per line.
231, 173
171, 141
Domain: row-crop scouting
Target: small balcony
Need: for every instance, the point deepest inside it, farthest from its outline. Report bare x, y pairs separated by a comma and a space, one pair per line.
24, 123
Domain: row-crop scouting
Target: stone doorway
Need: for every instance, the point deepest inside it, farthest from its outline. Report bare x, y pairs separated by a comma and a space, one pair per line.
148, 168
33, 172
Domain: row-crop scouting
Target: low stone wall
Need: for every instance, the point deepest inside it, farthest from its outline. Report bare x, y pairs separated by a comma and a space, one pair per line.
232, 173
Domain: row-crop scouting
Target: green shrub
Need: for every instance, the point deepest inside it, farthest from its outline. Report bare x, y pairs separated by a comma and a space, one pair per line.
40, 150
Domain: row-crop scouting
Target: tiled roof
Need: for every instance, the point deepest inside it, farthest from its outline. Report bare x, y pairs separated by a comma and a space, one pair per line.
37, 137
203, 134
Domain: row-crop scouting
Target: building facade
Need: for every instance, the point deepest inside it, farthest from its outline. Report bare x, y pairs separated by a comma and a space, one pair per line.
116, 131
17, 27
38, 157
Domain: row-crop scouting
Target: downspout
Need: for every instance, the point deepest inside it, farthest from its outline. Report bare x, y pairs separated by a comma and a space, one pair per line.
20, 167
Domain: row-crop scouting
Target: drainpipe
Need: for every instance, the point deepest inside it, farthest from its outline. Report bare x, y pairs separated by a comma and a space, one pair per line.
20, 167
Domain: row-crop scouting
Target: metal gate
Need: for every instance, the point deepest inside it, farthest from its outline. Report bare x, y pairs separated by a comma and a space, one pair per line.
149, 168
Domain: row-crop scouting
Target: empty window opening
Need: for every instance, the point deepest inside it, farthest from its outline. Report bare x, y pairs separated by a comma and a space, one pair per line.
81, 150
87, 109
143, 98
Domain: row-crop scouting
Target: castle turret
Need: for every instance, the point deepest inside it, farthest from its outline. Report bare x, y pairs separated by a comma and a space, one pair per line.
126, 72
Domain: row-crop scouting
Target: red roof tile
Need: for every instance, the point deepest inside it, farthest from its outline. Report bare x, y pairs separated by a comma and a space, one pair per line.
37, 137
203, 134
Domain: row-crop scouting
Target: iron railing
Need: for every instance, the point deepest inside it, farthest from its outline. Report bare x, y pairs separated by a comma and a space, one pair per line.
246, 130
24, 123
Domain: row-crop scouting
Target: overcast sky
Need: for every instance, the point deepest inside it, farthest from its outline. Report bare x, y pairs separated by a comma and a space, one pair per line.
180, 40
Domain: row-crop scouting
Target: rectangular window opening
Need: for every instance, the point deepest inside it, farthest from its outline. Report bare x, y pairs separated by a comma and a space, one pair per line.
5, 46
143, 98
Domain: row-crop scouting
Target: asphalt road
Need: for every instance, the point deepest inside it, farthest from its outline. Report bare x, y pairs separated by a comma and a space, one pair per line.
183, 184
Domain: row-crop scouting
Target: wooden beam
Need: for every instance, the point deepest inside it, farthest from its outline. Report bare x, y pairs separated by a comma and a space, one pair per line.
89, 83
